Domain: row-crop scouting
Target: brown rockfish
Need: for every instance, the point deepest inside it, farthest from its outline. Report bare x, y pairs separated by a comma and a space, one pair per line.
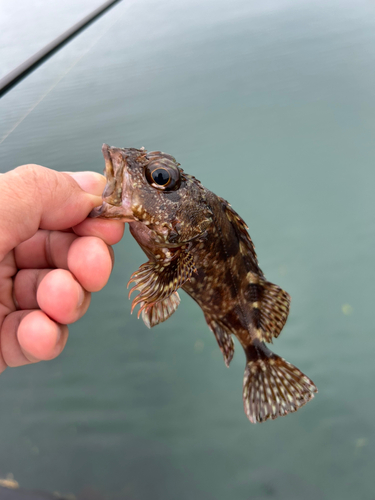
194, 240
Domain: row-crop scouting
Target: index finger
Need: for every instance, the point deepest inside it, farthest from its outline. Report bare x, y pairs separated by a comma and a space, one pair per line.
35, 197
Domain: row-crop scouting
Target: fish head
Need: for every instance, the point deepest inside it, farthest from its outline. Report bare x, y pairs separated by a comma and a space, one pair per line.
150, 188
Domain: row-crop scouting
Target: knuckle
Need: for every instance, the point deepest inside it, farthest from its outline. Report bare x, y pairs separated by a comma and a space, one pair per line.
36, 180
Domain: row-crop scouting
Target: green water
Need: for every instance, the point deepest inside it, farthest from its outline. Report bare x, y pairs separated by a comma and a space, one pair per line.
271, 105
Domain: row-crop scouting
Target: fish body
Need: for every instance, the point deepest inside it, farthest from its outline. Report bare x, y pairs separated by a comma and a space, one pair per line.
194, 240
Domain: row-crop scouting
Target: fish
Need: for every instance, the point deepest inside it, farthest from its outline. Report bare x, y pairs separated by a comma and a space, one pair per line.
196, 241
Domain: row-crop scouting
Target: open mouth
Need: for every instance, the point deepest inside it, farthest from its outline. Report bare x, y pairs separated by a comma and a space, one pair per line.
114, 205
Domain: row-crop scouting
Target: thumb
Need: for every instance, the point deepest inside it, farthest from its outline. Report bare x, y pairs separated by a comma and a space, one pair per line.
34, 197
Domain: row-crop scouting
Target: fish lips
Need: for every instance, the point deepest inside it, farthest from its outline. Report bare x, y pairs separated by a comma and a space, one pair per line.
113, 206
107, 211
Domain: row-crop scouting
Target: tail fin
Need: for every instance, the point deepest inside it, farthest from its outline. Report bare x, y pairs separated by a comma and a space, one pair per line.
272, 387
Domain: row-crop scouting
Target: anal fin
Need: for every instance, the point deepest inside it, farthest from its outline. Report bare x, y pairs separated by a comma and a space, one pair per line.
154, 314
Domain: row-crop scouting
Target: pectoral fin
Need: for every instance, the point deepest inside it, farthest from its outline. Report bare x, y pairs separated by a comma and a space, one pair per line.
158, 280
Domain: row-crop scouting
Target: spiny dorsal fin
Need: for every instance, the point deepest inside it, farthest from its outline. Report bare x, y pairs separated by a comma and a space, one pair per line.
160, 311
158, 280
270, 306
246, 245
223, 337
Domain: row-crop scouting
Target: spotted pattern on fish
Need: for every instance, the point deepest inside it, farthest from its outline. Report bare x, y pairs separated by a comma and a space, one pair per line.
195, 240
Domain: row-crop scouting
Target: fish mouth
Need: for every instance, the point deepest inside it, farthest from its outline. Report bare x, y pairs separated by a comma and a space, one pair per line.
114, 206
108, 211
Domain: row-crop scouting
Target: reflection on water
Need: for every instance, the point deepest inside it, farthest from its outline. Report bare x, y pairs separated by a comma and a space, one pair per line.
272, 107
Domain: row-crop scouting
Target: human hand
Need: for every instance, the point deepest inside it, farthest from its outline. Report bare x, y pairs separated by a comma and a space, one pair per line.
51, 258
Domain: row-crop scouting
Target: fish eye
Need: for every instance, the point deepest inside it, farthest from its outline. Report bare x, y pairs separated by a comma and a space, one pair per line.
163, 175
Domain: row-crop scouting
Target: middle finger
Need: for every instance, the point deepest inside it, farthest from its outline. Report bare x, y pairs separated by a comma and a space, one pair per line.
56, 292
46, 249
50, 248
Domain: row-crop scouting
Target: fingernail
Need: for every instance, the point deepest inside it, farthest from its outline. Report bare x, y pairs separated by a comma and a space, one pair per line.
81, 297
112, 255
59, 332
91, 182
